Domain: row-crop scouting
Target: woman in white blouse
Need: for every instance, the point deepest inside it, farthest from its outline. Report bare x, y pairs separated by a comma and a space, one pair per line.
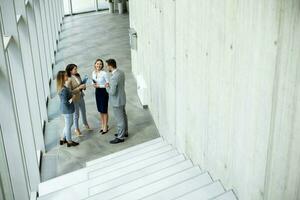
100, 78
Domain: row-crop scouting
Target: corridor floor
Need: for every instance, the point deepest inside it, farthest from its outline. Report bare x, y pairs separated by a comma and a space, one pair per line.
83, 39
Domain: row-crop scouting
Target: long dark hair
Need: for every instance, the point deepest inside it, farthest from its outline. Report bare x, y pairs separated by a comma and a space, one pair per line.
69, 68
101, 62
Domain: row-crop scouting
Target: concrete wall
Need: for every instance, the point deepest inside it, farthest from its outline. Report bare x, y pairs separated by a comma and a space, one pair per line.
223, 85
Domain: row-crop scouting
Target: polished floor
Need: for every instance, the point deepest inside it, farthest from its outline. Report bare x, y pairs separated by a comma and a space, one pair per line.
83, 39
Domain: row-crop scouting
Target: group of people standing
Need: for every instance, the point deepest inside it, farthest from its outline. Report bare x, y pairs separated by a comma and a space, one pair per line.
70, 87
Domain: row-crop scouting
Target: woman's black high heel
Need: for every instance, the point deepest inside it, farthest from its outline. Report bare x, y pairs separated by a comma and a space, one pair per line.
62, 142
72, 144
104, 132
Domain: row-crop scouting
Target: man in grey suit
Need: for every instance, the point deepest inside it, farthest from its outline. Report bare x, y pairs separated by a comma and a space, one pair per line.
117, 97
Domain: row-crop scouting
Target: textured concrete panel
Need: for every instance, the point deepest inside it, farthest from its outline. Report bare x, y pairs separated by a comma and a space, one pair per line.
222, 83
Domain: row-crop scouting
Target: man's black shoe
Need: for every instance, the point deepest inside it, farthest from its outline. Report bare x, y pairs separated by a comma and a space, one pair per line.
116, 141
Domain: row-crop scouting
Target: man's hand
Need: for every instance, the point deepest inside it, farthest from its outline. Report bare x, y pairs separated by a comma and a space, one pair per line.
106, 85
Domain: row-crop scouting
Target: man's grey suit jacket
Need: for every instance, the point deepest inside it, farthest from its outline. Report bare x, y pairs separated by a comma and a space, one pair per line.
116, 89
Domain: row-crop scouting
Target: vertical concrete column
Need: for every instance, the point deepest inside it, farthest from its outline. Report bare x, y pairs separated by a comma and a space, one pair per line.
62, 9
71, 6
46, 11
30, 73
96, 5
59, 17
6, 190
59, 5
35, 21
111, 7
52, 19
115, 2
120, 7
43, 35
59, 9
38, 52
127, 6
10, 132
57, 20
62, 13
20, 89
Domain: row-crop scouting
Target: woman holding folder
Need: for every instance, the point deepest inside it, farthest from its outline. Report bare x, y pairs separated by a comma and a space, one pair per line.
100, 78
75, 84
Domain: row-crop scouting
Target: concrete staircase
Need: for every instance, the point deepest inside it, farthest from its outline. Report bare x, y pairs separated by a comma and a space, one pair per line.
152, 170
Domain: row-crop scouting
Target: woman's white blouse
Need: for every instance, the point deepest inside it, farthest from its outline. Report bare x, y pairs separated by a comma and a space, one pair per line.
101, 78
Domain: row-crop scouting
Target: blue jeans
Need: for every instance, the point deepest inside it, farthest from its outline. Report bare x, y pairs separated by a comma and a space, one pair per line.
80, 105
68, 126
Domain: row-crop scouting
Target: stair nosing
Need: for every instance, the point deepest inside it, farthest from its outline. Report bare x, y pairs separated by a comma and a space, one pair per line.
225, 192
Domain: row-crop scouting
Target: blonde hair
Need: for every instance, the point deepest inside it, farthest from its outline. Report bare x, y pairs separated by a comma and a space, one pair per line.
60, 80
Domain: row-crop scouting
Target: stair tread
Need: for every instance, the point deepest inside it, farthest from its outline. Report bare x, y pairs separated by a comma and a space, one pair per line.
228, 195
137, 174
81, 189
140, 158
150, 171
118, 159
207, 192
181, 188
91, 171
125, 151
182, 170
162, 185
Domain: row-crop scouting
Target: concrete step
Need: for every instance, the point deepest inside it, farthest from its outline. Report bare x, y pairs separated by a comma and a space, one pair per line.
229, 195
207, 192
164, 184
181, 188
125, 151
101, 163
137, 174
115, 178
183, 169
100, 171
83, 174
150, 171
